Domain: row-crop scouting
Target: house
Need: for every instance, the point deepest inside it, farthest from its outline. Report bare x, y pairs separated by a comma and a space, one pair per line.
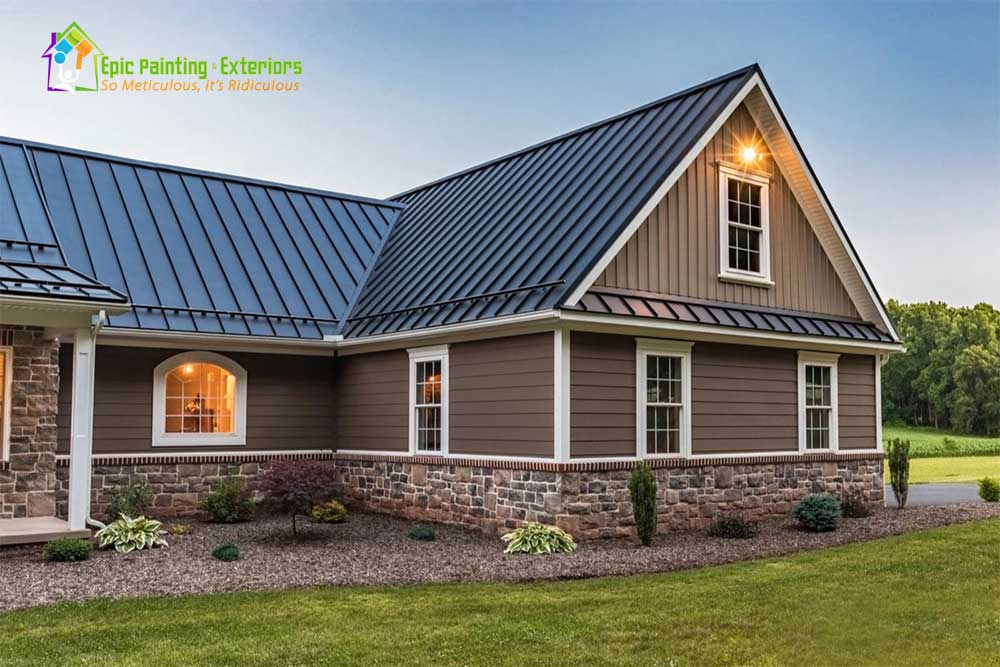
501, 345
72, 58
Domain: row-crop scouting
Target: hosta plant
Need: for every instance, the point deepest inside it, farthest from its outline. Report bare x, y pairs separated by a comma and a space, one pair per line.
537, 538
127, 534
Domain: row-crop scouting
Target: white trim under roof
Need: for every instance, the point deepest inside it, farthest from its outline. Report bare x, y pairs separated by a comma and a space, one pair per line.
804, 186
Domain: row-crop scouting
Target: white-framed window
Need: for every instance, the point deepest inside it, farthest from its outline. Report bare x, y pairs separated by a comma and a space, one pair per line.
6, 379
199, 400
744, 227
818, 404
663, 398
429, 400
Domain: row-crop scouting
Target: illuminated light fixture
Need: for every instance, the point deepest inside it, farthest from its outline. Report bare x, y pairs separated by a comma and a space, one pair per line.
188, 369
749, 155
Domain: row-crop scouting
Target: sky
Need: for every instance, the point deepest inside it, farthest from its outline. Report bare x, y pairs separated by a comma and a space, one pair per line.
896, 104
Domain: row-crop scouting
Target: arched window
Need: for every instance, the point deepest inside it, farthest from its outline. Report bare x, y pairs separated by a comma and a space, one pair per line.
199, 399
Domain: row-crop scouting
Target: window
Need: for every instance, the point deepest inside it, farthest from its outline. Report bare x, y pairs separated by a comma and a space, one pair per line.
663, 398
199, 398
429, 400
817, 401
744, 227
6, 374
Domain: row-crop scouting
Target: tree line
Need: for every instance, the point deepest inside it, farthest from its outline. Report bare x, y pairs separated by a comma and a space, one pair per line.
949, 376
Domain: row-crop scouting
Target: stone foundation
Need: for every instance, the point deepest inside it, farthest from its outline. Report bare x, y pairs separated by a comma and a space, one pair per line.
28, 477
591, 501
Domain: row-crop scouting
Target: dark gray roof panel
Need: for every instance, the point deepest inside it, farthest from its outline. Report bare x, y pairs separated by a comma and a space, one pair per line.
655, 306
53, 281
196, 251
543, 215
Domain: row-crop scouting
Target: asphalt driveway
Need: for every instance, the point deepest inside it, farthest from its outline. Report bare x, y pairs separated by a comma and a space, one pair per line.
936, 494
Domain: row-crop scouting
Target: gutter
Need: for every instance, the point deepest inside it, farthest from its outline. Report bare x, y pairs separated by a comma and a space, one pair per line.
95, 329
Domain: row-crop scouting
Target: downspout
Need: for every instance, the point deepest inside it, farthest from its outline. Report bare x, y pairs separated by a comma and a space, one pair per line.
102, 318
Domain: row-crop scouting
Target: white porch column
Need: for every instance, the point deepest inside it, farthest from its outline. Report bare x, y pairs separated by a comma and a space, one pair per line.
81, 429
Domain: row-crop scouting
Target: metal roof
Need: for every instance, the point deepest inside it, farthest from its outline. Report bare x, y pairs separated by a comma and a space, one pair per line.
632, 303
196, 251
516, 234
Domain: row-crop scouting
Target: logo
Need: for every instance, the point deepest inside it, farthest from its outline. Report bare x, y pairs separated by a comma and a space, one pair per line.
73, 61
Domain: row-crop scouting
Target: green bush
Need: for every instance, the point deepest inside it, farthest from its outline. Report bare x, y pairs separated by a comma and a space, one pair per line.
129, 499
329, 512
127, 534
537, 538
853, 506
229, 502
227, 552
734, 528
898, 454
421, 533
818, 512
642, 489
67, 550
989, 490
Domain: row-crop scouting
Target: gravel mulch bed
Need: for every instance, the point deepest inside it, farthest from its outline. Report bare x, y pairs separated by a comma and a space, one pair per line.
372, 549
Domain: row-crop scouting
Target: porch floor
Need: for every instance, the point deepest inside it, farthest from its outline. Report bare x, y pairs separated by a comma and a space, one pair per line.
36, 529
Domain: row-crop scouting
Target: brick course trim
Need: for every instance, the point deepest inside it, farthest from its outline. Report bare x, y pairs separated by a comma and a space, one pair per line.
62, 461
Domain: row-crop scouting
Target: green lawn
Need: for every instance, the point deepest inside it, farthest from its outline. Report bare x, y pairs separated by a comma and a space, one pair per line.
926, 441
930, 598
958, 469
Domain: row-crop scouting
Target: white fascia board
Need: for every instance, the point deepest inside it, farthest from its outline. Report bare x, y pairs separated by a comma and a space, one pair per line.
186, 340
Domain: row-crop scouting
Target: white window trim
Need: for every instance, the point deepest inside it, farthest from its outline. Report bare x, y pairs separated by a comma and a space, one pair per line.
829, 361
763, 277
8, 381
652, 346
163, 439
418, 354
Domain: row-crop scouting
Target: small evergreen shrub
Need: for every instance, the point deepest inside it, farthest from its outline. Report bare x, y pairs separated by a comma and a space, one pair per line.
989, 490
127, 534
67, 550
129, 499
329, 512
295, 487
178, 529
229, 502
898, 454
642, 489
818, 512
538, 538
853, 506
227, 552
734, 528
421, 533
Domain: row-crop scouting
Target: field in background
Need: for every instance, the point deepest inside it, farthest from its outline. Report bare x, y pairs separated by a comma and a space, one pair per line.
929, 442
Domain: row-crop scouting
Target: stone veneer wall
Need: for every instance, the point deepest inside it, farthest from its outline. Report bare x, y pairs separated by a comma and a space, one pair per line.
592, 502
28, 477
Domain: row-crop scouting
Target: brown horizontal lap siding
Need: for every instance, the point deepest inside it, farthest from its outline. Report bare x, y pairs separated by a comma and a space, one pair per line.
602, 395
373, 401
501, 396
856, 390
290, 401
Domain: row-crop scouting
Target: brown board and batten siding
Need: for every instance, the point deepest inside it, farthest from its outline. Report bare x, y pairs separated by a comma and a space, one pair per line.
290, 401
857, 421
676, 250
501, 396
373, 401
602, 395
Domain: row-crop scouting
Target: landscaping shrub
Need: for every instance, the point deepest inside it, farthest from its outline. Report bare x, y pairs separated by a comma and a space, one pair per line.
329, 512
295, 487
227, 552
129, 499
853, 506
537, 538
989, 490
734, 528
229, 502
127, 534
642, 489
179, 529
421, 533
67, 550
898, 454
818, 512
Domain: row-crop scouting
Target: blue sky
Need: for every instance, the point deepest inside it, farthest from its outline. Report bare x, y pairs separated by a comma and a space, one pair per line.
896, 104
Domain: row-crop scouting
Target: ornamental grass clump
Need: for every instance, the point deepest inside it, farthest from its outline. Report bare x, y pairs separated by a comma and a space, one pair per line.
989, 490
818, 512
734, 528
67, 550
853, 506
537, 538
642, 489
127, 535
229, 502
332, 511
898, 454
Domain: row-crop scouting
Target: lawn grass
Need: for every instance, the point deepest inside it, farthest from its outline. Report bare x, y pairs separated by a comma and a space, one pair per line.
929, 442
960, 469
928, 598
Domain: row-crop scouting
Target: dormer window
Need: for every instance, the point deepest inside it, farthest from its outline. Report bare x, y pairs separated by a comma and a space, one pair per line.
744, 235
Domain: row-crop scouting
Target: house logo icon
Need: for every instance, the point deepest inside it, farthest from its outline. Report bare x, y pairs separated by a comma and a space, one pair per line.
73, 63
